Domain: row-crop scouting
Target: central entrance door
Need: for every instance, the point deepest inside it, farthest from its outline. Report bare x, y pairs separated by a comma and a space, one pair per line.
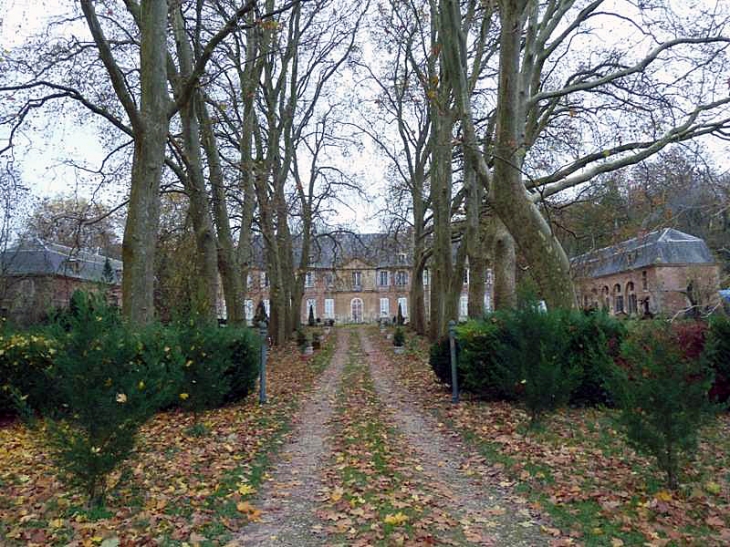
356, 306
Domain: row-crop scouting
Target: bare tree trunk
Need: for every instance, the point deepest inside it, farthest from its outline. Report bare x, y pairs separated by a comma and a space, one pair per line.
441, 203
533, 235
206, 275
417, 306
504, 265
140, 232
228, 265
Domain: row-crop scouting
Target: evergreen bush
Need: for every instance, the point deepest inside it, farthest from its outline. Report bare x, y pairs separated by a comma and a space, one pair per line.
662, 394
594, 345
399, 337
440, 360
244, 366
302, 339
110, 380
717, 353
25, 362
539, 350
401, 320
208, 356
311, 322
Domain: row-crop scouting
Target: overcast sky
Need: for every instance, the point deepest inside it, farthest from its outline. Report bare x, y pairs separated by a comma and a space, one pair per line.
45, 152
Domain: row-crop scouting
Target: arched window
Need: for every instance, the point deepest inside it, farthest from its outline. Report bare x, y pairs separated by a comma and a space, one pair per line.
606, 301
356, 309
618, 299
631, 298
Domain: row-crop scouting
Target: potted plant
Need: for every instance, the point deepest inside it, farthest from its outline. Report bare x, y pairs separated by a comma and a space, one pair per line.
305, 346
399, 340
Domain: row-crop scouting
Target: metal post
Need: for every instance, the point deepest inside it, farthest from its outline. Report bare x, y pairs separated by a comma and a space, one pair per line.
454, 374
263, 330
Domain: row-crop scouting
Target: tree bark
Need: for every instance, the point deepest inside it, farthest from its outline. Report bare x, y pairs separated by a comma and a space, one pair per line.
204, 298
140, 232
533, 235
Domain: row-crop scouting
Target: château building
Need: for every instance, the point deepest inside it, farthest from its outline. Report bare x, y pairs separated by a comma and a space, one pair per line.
666, 272
353, 278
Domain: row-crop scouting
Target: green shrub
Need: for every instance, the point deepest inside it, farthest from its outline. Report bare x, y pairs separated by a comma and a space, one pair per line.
207, 358
482, 367
718, 344
399, 337
243, 370
662, 395
110, 380
594, 345
440, 360
539, 350
25, 360
302, 339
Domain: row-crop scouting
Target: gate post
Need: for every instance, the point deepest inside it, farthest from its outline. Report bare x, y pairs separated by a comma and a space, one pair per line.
454, 373
263, 331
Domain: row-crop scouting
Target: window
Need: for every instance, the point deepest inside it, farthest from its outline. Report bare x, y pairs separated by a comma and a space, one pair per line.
329, 308
618, 299
463, 306
403, 303
644, 281
248, 310
425, 277
401, 278
328, 279
384, 307
633, 303
357, 279
267, 307
383, 278
356, 309
309, 279
312, 304
466, 276
264, 279
490, 277
249, 282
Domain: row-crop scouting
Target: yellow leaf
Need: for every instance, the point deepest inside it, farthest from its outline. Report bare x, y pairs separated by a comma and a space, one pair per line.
663, 495
396, 520
616, 542
246, 489
713, 487
184, 396
56, 523
337, 494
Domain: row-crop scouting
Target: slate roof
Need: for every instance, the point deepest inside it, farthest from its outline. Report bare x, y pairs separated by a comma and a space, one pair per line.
35, 257
663, 247
337, 249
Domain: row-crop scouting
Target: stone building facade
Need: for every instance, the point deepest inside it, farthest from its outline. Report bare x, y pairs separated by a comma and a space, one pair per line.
356, 278
36, 277
666, 272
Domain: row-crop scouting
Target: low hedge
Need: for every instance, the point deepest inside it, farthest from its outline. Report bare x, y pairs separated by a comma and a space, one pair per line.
500, 356
210, 366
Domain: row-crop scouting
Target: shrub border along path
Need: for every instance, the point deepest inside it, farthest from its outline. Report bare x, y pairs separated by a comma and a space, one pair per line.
190, 479
578, 469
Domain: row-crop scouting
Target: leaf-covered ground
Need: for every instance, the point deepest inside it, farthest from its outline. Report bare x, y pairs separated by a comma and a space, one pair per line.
579, 470
190, 480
